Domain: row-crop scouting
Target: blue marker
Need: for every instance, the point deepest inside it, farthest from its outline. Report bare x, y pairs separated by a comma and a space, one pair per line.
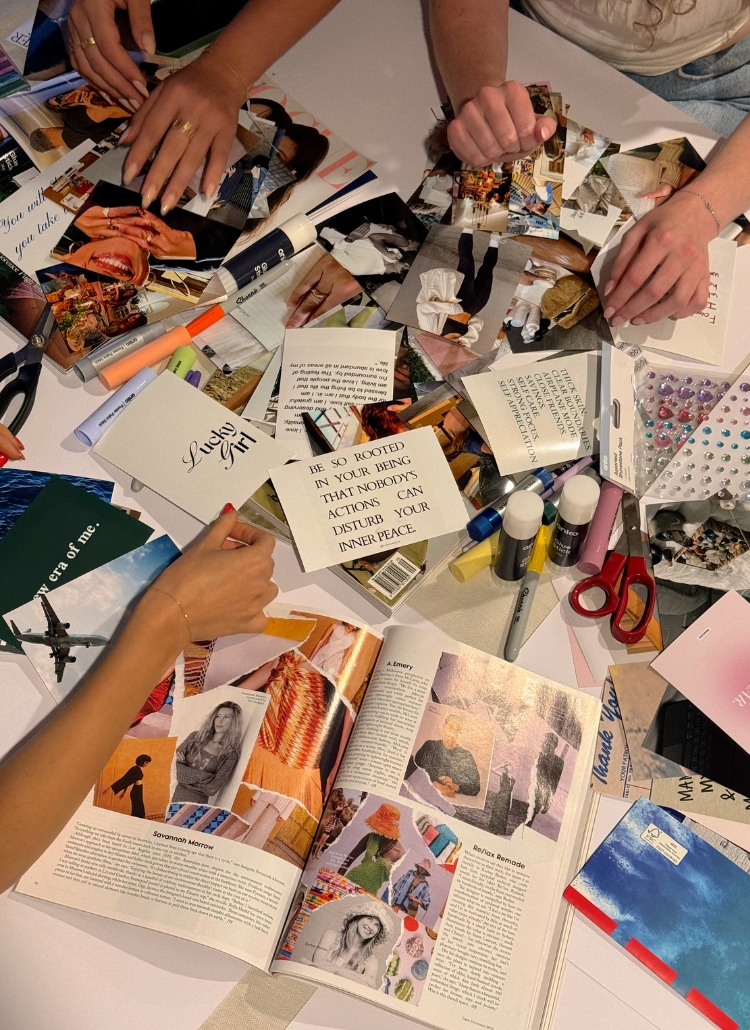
490, 519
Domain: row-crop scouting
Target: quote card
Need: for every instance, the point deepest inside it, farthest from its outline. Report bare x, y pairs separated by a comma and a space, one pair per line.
371, 498
189, 448
538, 414
321, 368
30, 223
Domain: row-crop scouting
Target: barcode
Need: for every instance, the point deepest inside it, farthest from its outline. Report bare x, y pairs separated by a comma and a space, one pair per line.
392, 577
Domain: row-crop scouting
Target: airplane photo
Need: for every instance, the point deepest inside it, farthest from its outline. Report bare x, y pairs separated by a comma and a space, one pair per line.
57, 639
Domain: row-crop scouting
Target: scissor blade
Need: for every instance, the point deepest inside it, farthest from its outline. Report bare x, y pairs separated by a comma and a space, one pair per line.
631, 524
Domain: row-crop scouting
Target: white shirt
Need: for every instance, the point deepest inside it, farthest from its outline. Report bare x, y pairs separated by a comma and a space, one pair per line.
608, 30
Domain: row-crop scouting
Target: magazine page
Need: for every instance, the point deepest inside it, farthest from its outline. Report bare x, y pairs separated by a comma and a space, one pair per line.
203, 818
434, 886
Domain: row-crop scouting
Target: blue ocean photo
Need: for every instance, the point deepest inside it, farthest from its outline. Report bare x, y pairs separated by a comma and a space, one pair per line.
19, 487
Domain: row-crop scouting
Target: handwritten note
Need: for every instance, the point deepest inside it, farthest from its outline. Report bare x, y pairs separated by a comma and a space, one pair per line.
189, 448
369, 499
30, 223
324, 367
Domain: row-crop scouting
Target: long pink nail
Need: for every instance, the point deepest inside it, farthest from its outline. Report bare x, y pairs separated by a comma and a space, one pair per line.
608, 312
609, 287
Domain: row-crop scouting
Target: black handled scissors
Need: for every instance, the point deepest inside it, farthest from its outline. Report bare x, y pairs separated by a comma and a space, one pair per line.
28, 363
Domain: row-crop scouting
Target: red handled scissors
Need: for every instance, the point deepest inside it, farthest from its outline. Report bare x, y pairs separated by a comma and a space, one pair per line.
627, 565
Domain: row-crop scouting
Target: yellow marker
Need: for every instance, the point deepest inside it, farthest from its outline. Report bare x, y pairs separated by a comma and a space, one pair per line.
182, 361
526, 595
479, 557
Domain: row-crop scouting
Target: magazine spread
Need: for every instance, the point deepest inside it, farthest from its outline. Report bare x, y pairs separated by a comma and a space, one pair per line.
410, 845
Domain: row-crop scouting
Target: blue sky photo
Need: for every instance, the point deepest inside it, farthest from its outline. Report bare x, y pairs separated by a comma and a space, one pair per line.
695, 916
19, 487
93, 604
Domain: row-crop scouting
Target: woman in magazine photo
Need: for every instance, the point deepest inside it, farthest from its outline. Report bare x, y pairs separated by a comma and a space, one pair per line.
133, 778
349, 952
196, 598
191, 116
206, 759
692, 53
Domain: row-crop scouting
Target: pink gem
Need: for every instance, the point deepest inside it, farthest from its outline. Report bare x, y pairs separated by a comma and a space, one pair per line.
683, 416
665, 412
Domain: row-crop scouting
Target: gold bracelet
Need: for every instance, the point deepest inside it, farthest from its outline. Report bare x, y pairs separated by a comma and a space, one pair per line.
231, 67
707, 205
173, 598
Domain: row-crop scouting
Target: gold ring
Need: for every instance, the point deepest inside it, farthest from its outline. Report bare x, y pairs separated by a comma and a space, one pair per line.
184, 126
318, 295
87, 43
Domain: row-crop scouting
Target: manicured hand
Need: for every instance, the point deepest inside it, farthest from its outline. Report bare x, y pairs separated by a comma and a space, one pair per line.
156, 236
10, 446
223, 582
498, 125
106, 63
98, 222
208, 95
661, 269
327, 285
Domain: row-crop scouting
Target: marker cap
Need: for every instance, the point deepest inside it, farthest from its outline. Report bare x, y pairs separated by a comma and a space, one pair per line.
523, 515
578, 502
545, 476
484, 524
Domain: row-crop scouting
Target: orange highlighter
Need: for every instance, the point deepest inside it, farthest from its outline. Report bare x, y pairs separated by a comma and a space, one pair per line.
152, 353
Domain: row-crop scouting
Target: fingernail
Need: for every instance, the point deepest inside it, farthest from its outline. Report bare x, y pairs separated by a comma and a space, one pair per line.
227, 508
609, 287
295, 323
18, 442
126, 104
546, 133
608, 312
128, 174
125, 137
106, 96
637, 321
149, 43
140, 87
617, 321
167, 204
148, 196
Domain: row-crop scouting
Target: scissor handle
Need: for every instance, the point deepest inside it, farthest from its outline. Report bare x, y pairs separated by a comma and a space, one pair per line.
636, 574
7, 365
605, 580
24, 385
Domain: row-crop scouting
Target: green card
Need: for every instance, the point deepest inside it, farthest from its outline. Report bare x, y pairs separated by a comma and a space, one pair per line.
63, 533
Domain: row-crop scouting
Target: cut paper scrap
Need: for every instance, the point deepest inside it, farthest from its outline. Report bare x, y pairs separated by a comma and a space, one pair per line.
717, 455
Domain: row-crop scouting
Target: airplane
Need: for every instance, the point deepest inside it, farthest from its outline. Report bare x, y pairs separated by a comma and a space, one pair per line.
56, 638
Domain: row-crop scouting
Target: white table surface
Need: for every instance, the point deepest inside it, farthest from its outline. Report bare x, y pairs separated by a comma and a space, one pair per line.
365, 72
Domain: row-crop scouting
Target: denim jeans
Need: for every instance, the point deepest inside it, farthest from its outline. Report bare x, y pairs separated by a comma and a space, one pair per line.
715, 89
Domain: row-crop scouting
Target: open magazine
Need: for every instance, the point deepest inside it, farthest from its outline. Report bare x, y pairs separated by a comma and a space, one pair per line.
377, 814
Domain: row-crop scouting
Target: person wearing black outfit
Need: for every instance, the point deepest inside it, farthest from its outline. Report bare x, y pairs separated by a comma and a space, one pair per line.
132, 778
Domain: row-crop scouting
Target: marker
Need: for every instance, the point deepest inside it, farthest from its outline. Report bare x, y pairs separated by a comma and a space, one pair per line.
182, 361
596, 544
241, 296
490, 518
89, 368
193, 377
563, 478
154, 352
526, 596
95, 426
477, 557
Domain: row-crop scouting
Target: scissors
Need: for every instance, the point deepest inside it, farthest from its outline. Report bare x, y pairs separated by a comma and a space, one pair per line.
28, 363
626, 561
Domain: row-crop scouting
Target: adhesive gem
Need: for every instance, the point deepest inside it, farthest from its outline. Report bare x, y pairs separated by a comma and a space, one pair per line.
726, 432
707, 430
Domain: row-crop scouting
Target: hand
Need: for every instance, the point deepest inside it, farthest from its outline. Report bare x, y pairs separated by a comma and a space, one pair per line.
222, 583
97, 221
154, 235
207, 95
106, 64
10, 447
443, 788
662, 269
662, 192
326, 286
498, 125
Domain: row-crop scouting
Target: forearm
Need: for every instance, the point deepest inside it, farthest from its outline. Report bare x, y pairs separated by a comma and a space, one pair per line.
725, 183
470, 43
266, 29
43, 782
